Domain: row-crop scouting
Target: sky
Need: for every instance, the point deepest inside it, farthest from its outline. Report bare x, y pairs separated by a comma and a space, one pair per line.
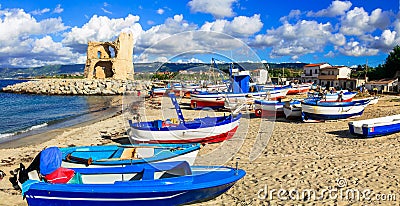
39, 33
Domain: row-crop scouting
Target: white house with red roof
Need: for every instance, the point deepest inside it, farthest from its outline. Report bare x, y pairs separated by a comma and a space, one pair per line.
311, 72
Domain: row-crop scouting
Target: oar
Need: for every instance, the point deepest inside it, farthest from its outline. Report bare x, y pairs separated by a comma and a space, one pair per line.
87, 162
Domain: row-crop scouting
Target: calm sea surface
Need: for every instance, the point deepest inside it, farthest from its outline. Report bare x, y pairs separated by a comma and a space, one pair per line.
23, 114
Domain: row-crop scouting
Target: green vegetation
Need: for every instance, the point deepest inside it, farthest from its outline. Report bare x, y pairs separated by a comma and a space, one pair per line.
61, 76
289, 73
164, 75
389, 68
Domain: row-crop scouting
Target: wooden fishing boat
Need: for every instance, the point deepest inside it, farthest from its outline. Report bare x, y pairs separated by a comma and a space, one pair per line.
315, 110
200, 130
292, 109
217, 100
45, 182
333, 97
375, 127
122, 155
268, 108
300, 88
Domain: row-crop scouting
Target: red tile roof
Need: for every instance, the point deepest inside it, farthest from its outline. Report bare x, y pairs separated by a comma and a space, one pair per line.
314, 65
381, 81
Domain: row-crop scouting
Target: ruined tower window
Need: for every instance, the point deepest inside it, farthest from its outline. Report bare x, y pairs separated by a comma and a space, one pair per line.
112, 51
99, 54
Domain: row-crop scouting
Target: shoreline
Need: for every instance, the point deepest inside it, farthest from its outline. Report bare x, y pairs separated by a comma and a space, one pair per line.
41, 137
43, 134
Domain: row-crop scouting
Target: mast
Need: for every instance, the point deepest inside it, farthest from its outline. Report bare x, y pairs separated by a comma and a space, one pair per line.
366, 71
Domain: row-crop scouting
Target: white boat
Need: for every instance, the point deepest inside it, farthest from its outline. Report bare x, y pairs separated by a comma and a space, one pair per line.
292, 109
333, 97
375, 127
217, 100
200, 130
299, 88
314, 110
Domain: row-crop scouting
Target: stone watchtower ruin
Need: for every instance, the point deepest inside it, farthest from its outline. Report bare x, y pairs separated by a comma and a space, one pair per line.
110, 59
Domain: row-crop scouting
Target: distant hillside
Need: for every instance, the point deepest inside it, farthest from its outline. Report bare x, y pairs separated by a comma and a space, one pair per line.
40, 71
139, 67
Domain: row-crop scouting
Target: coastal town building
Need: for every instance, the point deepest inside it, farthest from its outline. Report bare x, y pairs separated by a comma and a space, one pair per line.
110, 60
334, 76
311, 72
327, 75
383, 85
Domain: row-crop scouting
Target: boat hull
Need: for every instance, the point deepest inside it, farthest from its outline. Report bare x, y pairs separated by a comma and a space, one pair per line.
292, 110
375, 127
347, 97
266, 108
179, 154
212, 133
199, 101
198, 184
37, 197
298, 89
334, 111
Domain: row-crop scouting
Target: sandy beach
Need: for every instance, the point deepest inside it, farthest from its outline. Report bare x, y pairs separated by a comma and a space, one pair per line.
280, 157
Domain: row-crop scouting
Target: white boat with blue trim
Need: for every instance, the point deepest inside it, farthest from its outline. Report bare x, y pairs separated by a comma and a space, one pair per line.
375, 127
200, 130
315, 110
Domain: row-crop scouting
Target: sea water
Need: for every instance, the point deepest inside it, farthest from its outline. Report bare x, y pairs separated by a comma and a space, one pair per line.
26, 114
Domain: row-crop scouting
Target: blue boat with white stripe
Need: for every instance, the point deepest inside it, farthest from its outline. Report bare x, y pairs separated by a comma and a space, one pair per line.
375, 127
314, 110
120, 155
168, 183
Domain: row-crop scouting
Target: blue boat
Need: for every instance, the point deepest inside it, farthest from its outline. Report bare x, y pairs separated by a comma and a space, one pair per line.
168, 183
116, 155
314, 110
375, 127
200, 130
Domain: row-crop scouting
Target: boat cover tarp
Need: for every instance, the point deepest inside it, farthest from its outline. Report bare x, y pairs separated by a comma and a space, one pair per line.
50, 160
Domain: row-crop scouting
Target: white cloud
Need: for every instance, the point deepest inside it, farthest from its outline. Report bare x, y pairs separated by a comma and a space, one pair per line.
294, 14
191, 60
40, 12
386, 41
219, 9
106, 11
330, 54
58, 9
358, 22
160, 11
15, 25
240, 26
297, 39
337, 8
354, 48
101, 28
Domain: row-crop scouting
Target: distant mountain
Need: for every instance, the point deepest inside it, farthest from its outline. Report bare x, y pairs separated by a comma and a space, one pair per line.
40, 71
139, 67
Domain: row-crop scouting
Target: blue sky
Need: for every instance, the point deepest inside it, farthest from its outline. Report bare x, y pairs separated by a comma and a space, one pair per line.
37, 33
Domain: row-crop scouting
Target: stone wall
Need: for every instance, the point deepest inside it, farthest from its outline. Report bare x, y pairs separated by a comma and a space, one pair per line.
110, 60
75, 87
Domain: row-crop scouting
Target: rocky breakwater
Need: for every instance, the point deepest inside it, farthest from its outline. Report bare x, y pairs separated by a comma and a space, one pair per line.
74, 87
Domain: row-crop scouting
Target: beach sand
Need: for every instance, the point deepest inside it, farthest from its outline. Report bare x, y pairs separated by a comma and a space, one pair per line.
279, 157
